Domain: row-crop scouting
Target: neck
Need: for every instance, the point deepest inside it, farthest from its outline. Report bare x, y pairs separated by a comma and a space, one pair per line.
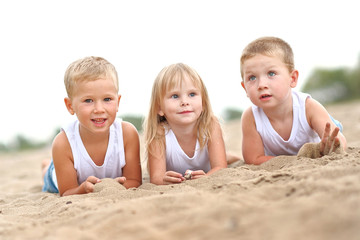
88, 137
182, 132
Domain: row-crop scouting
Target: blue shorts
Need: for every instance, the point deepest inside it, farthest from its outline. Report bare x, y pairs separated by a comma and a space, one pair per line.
49, 182
337, 123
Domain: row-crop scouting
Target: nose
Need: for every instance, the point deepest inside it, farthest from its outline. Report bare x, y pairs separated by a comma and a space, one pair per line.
184, 102
262, 83
98, 107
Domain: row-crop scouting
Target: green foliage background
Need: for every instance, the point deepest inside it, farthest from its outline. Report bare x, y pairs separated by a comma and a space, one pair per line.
338, 84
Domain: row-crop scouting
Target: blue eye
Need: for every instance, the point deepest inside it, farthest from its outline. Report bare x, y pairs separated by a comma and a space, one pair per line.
192, 94
174, 96
271, 74
88, 101
252, 78
107, 99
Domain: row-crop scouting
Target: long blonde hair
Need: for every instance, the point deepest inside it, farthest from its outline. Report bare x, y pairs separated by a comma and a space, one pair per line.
168, 78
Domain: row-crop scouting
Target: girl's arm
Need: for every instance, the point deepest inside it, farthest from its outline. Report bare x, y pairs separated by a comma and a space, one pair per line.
319, 120
132, 169
252, 145
157, 167
65, 171
216, 148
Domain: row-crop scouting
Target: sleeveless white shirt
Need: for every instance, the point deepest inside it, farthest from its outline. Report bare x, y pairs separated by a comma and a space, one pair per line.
178, 161
301, 132
114, 158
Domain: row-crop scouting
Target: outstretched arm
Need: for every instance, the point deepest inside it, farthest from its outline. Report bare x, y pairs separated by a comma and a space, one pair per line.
319, 120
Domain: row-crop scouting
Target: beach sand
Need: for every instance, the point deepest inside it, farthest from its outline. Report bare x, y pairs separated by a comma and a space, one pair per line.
287, 197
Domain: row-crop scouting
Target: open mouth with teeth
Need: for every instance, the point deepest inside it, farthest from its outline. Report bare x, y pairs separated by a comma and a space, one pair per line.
265, 96
99, 121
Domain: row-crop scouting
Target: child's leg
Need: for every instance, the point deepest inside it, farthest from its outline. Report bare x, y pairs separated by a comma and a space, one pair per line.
44, 166
50, 181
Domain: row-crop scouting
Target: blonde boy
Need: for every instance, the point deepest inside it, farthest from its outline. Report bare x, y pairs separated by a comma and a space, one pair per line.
281, 120
96, 145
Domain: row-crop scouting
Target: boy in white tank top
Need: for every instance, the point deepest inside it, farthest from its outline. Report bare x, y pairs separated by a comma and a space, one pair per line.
95, 146
281, 120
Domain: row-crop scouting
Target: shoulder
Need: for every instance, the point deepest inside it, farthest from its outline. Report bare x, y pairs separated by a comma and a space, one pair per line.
215, 125
61, 141
312, 106
247, 116
61, 146
315, 112
129, 131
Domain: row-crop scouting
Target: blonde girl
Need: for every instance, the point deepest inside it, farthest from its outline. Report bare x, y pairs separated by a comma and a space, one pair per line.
182, 135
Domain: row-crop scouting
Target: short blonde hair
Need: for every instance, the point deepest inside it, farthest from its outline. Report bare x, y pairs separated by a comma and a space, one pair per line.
269, 46
89, 69
168, 78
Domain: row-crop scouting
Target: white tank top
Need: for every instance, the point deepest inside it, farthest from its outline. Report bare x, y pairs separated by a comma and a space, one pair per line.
301, 132
178, 161
114, 158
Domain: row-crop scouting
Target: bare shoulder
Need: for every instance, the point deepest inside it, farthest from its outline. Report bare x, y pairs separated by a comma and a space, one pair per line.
314, 110
61, 142
311, 105
215, 125
247, 117
61, 148
129, 131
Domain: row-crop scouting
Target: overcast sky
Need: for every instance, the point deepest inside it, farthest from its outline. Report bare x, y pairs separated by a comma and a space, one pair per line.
39, 39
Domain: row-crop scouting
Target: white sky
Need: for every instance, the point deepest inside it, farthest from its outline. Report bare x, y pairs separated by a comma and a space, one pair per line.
40, 38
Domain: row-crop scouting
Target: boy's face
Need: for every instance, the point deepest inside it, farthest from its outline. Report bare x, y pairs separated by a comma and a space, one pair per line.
95, 104
267, 81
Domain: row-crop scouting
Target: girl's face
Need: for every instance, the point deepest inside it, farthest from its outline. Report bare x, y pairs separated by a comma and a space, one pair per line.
95, 104
182, 105
267, 81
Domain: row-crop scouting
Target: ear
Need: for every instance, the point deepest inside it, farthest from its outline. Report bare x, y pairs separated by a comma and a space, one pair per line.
117, 109
161, 113
243, 85
294, 75
69, 106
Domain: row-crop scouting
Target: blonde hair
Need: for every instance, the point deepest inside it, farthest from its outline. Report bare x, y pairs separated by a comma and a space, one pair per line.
89, 69
269, 46
168, 78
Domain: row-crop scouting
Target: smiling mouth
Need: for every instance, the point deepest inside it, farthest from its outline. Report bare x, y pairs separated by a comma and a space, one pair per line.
98, 120
184, 112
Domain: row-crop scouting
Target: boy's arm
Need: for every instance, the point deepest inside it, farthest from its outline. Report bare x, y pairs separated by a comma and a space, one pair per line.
318, 117
252, 145
65, 171
216, 148
132, 169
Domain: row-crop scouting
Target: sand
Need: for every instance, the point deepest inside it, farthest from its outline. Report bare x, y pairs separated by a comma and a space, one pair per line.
288, 197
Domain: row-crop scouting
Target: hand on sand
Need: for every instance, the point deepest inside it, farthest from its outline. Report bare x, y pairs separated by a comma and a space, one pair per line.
194, 174
329, 143
173, 177
88, 185
121, 180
